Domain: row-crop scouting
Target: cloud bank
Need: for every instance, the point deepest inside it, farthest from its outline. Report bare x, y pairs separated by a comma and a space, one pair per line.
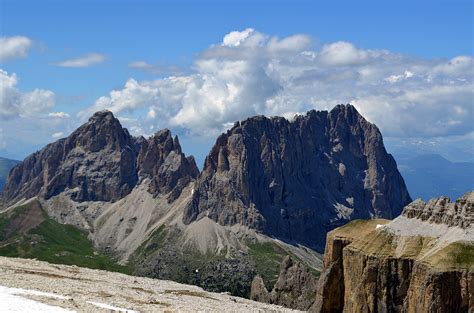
252, 73
14, 103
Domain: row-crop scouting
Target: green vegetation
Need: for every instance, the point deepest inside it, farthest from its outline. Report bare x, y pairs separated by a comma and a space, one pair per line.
267, 258
150, 246
463, 254
52, 242
457, 255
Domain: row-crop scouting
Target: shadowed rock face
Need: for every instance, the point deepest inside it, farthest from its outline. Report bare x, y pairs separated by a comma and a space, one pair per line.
298, 179
161, 159
100, 161
295, 287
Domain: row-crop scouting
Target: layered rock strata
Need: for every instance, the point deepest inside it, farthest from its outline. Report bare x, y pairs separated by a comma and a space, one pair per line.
423, 261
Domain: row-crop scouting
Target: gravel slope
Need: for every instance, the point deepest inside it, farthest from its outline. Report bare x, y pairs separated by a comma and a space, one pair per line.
85, 290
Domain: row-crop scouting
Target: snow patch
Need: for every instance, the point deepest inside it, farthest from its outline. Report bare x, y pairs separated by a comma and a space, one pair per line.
110, 307
11, 301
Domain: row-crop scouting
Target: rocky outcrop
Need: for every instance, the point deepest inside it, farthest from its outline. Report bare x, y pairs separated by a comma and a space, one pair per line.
258, 291
443, 211
380, 266
295, 287
101, 161
299, 179
161, 159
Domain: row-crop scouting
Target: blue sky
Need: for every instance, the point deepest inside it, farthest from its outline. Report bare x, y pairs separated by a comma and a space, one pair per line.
433, 39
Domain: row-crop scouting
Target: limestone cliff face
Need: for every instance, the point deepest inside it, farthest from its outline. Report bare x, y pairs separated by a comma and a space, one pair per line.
382, 266
100, 161
299, 179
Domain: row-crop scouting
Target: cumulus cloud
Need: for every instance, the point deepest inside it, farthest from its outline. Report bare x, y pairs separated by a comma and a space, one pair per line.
396, 78
134, 95
156, 68
14, 47
235, 38
251, 73
83, 61
342, 53
14, 103
58, 114
57, 135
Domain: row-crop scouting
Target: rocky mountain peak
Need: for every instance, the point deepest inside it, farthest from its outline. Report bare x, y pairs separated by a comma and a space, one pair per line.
102, 131
298, 179
101, 161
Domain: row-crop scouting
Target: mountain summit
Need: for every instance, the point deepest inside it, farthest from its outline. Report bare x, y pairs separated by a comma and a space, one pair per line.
298, 179
99, 161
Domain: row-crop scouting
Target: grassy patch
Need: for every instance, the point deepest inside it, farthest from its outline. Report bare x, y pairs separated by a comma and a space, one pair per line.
3, 225
456, 255
463, 254
150, 246
56, 243
357, 228
267, 258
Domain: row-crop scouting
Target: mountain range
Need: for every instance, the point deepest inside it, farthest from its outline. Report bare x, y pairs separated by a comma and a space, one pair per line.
429, 175
270, 187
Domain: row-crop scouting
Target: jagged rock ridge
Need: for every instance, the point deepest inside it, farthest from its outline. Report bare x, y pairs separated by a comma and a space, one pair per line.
101, 161
299, 179
443, 211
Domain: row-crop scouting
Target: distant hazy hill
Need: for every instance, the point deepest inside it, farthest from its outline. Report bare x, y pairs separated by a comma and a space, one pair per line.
430, 175
5, 167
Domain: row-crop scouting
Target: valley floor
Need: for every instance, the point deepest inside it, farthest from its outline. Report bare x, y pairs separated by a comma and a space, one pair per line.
35, 286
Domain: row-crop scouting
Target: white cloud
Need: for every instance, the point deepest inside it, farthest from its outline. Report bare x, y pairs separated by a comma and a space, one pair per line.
131, 97
342, 53
83, 61
57, 135
456, 66
395, 78
156, 68
14, 103
252, 73
139, 64
289, 44
235, 38
14, 47
59, 114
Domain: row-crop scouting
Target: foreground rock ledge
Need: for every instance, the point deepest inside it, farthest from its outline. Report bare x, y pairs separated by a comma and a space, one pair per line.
83, 287
371, 266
